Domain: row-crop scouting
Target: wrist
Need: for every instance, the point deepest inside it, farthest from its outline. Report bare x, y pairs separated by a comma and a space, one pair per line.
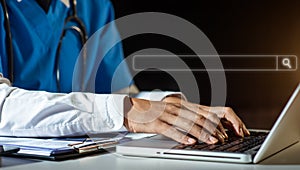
128, 104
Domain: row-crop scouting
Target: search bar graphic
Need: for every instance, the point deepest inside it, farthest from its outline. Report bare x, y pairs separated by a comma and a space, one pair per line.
208, 62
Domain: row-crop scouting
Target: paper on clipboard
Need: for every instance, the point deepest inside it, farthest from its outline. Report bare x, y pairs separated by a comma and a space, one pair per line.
47, 147
33, 146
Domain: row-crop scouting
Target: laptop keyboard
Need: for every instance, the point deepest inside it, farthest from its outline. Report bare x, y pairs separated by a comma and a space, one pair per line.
233, 144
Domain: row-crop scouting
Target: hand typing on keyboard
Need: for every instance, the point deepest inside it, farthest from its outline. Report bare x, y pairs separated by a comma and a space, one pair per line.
175, 117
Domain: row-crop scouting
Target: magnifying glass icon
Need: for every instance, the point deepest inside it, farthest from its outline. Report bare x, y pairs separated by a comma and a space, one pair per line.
287, 62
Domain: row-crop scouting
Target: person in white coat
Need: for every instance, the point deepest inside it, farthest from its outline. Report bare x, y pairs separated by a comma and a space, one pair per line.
34, 102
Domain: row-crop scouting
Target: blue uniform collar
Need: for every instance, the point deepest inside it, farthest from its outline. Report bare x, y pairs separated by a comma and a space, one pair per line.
39, 20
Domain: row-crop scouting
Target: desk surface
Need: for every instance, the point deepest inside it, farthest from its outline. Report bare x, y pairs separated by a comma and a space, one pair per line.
287, 159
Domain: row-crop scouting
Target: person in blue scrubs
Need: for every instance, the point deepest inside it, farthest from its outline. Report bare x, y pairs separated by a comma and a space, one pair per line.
42, 101
36, 31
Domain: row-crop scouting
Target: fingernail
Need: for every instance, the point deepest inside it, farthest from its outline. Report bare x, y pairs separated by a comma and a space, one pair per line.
213, 139
248, 132
223, 136
226, 135
191, 141
241, 132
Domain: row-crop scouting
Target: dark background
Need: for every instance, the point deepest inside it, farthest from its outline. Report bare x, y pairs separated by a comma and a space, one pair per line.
234, 27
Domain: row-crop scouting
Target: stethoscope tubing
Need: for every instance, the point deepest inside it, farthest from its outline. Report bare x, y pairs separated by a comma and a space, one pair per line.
10, 52
79, 28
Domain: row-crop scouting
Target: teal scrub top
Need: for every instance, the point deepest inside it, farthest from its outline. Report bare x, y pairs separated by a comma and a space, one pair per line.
36, 37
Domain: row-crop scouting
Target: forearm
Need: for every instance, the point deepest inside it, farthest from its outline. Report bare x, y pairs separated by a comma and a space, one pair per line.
39, 113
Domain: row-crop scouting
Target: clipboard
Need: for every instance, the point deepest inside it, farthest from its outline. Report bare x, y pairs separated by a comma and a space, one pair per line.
57, 149
8, 149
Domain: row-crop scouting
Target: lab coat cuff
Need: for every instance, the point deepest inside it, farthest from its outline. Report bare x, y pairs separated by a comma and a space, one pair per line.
113, 117
159, 95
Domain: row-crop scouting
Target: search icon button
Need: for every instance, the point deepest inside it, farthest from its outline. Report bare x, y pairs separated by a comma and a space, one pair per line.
287, 63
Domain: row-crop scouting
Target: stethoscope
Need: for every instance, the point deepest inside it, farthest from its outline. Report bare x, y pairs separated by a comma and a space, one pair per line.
78, 27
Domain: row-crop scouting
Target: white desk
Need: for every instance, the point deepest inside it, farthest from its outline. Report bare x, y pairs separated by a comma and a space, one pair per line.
286, 160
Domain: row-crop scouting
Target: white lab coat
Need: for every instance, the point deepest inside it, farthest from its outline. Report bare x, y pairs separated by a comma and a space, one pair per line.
38, 113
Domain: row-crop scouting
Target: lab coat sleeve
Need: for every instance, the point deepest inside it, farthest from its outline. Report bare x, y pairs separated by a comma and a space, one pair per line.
39, 113
150, 95
159, 95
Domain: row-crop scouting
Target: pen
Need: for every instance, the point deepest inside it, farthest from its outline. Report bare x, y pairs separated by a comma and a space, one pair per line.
78, 143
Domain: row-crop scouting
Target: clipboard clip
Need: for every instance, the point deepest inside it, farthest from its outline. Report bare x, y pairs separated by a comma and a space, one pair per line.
89, 146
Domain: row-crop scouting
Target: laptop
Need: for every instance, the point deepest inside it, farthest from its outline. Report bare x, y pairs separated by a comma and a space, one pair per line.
261, 145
